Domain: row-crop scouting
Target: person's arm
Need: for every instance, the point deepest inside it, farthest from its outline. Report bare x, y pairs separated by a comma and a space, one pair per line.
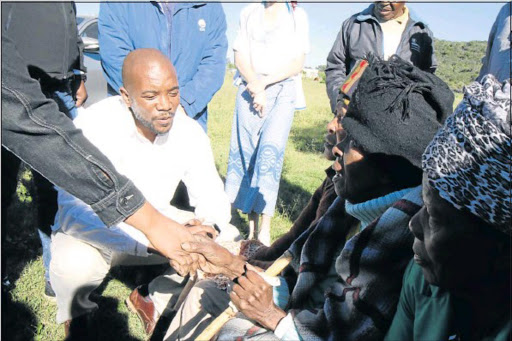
114, 41
209, 77
36, 131
485, 60
432, 57
291, 69
336, 71
78, 220
80, 43
243, 65
81, 93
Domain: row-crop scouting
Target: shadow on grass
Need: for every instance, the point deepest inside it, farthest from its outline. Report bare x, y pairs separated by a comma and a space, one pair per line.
18, 321
291, 200
309, 139
20, 245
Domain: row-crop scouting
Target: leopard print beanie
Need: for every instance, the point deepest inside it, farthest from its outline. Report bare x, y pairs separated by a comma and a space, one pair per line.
469, 161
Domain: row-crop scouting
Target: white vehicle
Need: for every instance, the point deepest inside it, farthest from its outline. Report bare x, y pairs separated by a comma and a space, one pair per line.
96, 84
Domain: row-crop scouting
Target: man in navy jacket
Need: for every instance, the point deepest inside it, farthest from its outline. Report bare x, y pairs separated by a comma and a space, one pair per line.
192, 35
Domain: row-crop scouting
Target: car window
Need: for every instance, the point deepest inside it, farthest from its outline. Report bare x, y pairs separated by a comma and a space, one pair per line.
79, 20
91, 31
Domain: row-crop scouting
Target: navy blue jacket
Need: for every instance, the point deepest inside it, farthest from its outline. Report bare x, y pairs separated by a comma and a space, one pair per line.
198, 45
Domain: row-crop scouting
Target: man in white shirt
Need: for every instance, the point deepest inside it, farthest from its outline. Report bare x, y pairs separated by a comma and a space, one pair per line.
153, 142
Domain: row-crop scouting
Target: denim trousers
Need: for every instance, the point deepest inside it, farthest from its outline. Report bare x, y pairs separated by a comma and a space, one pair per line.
257, 147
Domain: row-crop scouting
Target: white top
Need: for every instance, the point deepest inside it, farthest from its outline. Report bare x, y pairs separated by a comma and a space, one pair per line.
392, 31
184, 153
269, 49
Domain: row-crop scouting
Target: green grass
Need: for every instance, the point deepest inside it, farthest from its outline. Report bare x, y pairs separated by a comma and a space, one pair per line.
32, 316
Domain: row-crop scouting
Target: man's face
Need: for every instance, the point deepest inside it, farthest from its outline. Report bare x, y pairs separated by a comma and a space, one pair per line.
448, 244
387, 10
153, 99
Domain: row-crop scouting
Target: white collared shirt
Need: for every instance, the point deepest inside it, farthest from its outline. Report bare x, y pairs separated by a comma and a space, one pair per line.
156, 168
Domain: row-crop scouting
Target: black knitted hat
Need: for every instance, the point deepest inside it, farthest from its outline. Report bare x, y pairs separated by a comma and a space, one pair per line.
397, 109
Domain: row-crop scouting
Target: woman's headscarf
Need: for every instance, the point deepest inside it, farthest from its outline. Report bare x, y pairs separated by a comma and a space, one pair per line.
469, 161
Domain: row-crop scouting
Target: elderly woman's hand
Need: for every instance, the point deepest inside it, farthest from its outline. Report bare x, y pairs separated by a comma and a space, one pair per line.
215, 259
254, 298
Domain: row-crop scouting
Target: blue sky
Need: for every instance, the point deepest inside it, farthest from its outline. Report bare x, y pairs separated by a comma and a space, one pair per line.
448, 21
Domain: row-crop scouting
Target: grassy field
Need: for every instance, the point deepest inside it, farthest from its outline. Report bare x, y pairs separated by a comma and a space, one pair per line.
28, 315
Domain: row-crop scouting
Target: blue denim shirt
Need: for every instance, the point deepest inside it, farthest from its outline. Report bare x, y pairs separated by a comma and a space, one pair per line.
46, 139
198, 45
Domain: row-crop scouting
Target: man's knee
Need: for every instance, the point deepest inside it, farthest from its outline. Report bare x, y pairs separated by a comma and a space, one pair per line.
76, 261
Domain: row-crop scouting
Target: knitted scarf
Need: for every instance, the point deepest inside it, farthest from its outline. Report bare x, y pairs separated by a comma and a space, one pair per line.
368, 211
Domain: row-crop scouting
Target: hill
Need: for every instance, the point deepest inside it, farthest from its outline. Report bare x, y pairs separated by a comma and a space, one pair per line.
458, 62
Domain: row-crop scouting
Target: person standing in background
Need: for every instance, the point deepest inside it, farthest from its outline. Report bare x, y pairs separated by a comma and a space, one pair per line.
385, 28
269, 50
498, 57
46, 37
191, 35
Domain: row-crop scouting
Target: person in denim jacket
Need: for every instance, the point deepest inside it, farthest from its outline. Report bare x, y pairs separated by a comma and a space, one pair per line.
35, 131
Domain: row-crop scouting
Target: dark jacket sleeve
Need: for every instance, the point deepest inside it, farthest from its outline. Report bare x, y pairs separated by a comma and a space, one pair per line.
336, 70
199, 91
80, 43
36, 131
433, 65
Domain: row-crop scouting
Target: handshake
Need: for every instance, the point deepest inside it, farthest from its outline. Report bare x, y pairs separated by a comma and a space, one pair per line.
192, 247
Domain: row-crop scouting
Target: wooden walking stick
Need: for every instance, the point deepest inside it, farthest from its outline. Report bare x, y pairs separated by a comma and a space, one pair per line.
214, 327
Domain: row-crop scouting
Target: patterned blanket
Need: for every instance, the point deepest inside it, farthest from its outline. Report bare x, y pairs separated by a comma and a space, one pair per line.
361, 303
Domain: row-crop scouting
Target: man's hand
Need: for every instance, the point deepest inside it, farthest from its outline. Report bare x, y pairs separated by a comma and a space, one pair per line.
81, 95
195, 226
214, 258
166, 236
256, 86
259, 103
254, 298
167, 241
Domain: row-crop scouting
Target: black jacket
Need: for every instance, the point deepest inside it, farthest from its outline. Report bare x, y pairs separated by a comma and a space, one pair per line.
361, 34
46, 37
